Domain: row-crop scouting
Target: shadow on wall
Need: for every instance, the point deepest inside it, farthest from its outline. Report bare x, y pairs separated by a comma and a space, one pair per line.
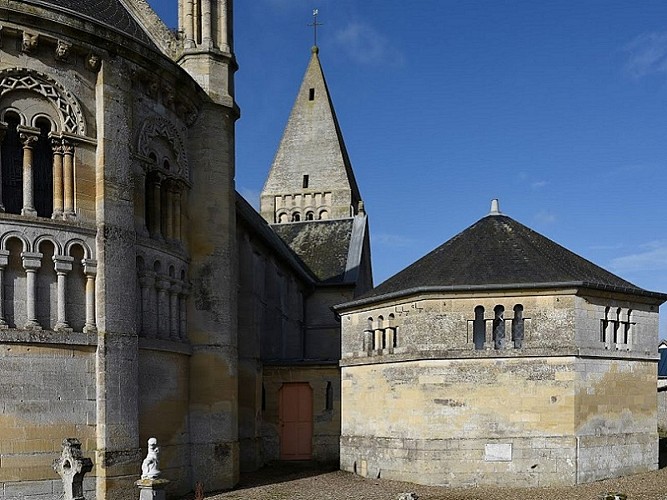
662, 450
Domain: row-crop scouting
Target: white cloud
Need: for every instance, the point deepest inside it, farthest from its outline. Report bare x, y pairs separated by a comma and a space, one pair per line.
538, 184
647, 54
545, 217
651, 257
365, 45
391, 240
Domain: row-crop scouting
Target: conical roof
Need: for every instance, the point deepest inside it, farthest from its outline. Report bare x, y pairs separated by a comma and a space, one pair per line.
111, 13
498, 252
312, 145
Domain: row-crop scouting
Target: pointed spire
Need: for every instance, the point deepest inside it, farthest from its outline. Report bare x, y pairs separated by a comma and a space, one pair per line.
311, 171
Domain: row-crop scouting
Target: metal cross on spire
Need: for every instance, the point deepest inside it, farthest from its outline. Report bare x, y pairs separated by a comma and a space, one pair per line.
315, 24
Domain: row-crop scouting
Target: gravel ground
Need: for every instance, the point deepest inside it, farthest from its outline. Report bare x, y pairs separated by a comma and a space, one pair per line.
307, 481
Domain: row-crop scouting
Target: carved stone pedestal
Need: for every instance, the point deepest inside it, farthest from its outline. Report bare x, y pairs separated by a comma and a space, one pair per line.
152, 489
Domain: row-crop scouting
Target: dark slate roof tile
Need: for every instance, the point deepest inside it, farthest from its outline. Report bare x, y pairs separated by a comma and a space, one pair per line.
109, 12
498, 251
322, 245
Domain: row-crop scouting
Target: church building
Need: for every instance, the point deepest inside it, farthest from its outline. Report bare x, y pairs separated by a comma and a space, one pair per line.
140, 295
500, 358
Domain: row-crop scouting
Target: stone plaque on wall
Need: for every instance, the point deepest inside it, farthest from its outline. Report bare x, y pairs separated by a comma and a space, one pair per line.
498, 452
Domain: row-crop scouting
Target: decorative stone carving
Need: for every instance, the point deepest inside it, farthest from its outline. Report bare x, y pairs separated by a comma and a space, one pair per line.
150, 486
168, 95
159, 127
150, 468
25, 79
71, 467
93, 62
63, 51
29, 42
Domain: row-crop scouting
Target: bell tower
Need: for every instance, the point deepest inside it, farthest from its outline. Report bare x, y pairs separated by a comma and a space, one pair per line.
206, 28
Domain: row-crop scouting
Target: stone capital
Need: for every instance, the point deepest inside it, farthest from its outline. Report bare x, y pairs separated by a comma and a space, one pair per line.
90, 267
63, 263
31, 260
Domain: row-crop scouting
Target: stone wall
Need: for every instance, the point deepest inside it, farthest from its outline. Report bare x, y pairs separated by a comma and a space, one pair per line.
163, 408
47, 393
615, 417
461, 422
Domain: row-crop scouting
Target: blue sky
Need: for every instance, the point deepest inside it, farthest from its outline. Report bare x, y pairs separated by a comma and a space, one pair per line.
559, 109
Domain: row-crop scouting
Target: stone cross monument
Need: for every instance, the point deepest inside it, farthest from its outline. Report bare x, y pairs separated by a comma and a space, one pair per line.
71, 467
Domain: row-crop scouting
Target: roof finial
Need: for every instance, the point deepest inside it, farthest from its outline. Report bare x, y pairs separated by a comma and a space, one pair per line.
315, 24
495, 207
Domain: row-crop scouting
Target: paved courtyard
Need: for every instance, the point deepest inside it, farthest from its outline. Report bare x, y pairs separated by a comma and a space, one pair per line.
305, 482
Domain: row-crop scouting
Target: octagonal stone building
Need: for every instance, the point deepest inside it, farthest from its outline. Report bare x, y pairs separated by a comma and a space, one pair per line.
500, 358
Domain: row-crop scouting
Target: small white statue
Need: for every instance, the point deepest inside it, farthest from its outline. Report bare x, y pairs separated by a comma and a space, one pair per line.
150, 468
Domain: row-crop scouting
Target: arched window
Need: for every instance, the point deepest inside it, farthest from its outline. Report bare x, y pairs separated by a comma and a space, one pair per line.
296, 217
517, 326
12, 166
499, 327
479, 328
42, 170
310, 215
323, 215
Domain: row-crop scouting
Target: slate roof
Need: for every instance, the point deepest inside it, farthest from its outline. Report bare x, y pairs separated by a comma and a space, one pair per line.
498, 252
108, 12
322, 245
261, 229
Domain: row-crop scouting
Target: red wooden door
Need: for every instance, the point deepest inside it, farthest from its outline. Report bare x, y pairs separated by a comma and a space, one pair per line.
296, 421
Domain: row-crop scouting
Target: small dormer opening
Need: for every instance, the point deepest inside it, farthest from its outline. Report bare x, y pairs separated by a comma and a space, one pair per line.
311, 94
305, 181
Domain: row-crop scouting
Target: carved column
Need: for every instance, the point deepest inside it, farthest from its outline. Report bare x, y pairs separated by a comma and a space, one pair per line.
156, 213
177, 215
57, 146
146, 282
4, 260
183, 311
140, 205
32, 261
3, 131
162, 285
63, 265
68, 179
169, 226
90, 270
188, 24
28, 142
207, 41
224, 15
174, 311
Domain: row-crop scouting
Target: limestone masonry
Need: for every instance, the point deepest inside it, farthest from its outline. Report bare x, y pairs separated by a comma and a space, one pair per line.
141, 297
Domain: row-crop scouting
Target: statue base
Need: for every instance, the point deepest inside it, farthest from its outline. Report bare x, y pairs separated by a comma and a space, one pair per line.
152, 489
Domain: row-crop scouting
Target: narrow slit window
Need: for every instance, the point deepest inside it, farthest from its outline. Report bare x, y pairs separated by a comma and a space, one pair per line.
479, 328
499, 327
517, 326
329, 397
305, 181
311, 94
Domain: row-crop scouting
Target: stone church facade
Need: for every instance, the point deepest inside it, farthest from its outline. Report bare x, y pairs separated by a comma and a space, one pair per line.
140, 295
